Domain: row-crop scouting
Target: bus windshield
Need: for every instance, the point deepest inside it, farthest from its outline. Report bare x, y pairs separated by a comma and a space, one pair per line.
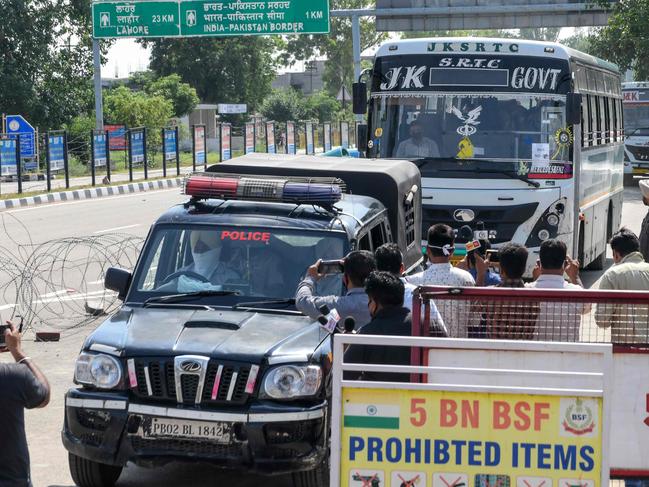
509, 127
636, 117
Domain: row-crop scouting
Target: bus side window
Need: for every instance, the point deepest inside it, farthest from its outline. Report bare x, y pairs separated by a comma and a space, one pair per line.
606, 135
620, 121
613, 123
585, 122
594, 120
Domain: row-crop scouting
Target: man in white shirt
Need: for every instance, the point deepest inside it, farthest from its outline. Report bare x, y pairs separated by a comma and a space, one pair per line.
457, 315
417, 145
558, 321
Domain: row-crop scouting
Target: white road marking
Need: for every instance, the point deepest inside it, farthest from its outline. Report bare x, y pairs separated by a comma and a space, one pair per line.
92, 200
7, 306
114, 229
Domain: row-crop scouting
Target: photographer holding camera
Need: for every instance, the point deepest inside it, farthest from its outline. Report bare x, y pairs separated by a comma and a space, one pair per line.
355, 268
22, 385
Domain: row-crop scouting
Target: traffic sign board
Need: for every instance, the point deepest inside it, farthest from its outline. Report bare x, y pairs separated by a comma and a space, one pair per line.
194, 18
16, 124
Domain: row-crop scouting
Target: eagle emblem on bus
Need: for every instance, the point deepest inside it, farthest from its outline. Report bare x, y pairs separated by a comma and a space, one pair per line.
470, 120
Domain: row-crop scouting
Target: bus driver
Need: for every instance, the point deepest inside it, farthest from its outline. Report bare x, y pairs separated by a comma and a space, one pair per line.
417, 145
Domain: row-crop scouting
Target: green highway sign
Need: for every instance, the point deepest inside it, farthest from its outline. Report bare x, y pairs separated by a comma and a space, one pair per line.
196, 18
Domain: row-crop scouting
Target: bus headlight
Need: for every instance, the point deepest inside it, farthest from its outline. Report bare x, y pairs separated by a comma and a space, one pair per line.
101, 371
554, 221
292, 381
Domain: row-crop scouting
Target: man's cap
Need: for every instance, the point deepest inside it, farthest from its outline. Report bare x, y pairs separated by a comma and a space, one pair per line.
644, 187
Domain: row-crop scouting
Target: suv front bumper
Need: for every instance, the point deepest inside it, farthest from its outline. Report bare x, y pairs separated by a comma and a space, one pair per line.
267, 437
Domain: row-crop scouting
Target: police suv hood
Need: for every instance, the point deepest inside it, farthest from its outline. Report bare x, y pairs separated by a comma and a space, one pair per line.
233, 335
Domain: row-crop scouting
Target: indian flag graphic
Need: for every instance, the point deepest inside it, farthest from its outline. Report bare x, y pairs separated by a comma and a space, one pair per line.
381, 416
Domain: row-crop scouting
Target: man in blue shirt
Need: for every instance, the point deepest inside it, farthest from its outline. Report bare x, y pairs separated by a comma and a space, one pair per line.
357, 267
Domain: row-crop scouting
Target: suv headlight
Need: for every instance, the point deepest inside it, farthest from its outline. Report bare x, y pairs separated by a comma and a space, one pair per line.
102, 371
292, 381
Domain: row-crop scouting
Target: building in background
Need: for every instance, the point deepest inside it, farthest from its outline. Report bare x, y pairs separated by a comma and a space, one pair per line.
308, 81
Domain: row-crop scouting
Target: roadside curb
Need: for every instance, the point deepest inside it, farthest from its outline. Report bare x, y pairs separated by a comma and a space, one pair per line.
90, 193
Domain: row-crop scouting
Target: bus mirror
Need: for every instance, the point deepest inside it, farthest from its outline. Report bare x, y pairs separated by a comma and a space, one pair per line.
573, 109
361, 137
359, 92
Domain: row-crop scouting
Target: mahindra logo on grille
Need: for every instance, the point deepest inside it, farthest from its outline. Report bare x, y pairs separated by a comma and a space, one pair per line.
464, 215
190, 366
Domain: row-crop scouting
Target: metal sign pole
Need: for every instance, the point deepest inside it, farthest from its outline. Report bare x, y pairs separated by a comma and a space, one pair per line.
99, 103
177, 153
145, 163
66, 162
194, 147
19, 165
92, 157
164, 153
130, 156
48, 162
107, 155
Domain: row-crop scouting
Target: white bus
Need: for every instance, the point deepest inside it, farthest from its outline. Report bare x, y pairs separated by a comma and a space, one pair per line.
636, 126
520, 139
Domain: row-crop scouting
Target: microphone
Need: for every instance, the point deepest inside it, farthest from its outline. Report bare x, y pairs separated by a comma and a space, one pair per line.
330, 317
349, 324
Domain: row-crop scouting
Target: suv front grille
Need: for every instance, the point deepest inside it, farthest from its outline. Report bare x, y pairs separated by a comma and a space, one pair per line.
161, 384
183, 447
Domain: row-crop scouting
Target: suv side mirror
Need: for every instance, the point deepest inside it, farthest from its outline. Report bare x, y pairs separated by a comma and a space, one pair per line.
573, 109
361, 137
118, 280
359, 94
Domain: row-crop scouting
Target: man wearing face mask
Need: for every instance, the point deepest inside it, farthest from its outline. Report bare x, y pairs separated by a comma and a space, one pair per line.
417, 145
385, 293
357, 266
209, 262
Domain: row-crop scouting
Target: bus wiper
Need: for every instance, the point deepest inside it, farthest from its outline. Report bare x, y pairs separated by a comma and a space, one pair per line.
514, 175
176, 298
268, 302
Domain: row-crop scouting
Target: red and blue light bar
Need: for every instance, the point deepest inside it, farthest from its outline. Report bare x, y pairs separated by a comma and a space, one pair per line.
312, 191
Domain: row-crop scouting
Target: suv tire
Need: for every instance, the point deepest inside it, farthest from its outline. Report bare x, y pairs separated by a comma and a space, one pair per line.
86, 473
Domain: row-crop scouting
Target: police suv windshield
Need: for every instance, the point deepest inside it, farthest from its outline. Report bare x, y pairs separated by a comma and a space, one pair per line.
252, 261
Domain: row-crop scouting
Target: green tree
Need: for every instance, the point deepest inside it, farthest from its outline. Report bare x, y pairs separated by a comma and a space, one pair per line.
625, 40
222, 70
45, 60
284, 105
322, 106
139, 109
336, 47
182, 95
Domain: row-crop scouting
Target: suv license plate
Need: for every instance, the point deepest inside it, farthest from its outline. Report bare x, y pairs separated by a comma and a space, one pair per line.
180, 428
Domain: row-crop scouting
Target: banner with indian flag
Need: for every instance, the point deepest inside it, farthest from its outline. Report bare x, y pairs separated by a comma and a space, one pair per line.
381, 416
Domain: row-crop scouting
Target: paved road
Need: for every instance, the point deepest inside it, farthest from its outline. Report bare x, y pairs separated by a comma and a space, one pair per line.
127, 214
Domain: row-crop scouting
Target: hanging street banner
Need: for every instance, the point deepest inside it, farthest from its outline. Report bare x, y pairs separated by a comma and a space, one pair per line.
344, 135
196, 18
270, 138
8, 157
137, 146
326, 137
226, 142
481, 439
116, 136
199, 144
100, 146
290, 138
56, 151
310, 148
250, 138
170, 144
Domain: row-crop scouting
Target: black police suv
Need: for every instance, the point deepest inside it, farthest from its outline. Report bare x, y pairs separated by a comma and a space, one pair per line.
208, 359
